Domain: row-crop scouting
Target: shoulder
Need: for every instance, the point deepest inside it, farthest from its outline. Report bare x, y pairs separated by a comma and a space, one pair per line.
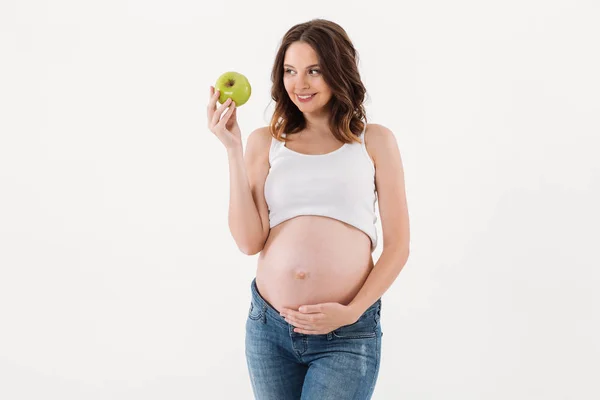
377, 133
260, 135
259, 138
258, 144
379, 139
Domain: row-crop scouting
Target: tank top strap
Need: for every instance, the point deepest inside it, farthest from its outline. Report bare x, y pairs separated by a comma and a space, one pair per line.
363, 149
275, 148
362, 134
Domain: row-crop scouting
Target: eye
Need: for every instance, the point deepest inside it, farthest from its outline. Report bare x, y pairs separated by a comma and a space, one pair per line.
290, 71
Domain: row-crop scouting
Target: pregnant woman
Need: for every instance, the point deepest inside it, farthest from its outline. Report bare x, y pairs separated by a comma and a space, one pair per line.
303, 196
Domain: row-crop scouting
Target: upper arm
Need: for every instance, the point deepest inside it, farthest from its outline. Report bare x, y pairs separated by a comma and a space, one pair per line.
256, 159
389, 181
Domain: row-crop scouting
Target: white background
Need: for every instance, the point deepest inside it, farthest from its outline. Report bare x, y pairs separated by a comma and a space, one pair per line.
119, 278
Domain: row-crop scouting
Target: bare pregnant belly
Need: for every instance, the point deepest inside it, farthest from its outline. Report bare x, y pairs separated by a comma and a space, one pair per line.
312, 259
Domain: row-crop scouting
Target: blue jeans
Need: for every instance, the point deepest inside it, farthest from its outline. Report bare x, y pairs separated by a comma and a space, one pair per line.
286, 365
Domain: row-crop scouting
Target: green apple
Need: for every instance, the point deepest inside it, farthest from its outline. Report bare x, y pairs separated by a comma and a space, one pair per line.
234, 85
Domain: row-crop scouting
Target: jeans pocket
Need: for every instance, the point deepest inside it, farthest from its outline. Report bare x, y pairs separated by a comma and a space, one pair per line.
364, 328
255, 312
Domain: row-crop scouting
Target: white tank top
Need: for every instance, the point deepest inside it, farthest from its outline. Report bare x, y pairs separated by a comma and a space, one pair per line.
339, 185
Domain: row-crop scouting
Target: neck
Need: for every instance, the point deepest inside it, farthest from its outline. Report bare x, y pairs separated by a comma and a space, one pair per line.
317, 125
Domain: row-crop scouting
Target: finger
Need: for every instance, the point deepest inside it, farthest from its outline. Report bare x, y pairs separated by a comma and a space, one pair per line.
305, 318
219, 112
227, 115
302, 316
300, 325
298, 321
212, 101
308, 331
316, 308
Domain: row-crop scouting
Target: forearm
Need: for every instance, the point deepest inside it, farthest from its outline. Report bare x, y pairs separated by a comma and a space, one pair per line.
244, 220
380, 279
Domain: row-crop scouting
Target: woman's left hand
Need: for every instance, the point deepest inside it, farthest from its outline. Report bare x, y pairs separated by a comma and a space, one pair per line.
319, 318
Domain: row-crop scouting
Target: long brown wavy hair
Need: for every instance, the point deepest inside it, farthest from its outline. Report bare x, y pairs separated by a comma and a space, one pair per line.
339, 65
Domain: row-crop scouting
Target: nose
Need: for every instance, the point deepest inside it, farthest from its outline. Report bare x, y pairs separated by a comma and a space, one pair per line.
301, 82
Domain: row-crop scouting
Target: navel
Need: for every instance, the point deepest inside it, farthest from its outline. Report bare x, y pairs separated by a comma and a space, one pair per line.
300, 274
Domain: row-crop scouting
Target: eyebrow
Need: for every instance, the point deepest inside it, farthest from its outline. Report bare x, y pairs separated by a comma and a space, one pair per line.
310, 66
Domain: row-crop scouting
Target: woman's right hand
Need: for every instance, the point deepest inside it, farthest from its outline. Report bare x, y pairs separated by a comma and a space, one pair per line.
225, 128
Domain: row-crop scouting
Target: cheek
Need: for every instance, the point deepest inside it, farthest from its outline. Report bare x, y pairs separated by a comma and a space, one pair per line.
289, 87
322, 85
323, 88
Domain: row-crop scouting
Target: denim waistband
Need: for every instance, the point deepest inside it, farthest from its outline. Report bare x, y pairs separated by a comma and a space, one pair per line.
269, 310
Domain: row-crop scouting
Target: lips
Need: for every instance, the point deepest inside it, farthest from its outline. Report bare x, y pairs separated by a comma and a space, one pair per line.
305, 98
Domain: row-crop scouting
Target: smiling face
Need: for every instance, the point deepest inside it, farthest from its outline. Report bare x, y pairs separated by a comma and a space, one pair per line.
302, 76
